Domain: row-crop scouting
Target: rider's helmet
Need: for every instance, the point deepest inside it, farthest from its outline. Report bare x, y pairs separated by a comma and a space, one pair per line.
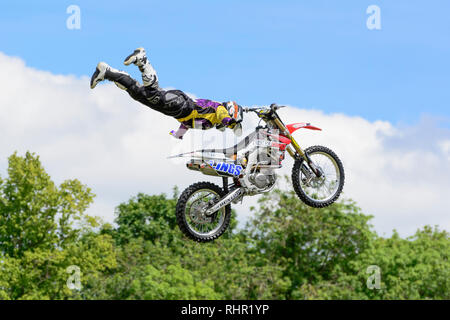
235, 111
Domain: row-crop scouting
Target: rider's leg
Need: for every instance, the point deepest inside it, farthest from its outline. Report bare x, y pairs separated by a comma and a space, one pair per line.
174, 103
139, 58
122, 79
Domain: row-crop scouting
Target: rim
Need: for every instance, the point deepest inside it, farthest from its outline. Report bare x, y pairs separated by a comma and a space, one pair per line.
324, 188
195, 209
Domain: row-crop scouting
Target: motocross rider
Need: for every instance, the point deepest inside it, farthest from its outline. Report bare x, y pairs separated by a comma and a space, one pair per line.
199, 114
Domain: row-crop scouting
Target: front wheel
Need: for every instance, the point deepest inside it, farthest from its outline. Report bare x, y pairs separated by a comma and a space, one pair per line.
191, 212
318, 192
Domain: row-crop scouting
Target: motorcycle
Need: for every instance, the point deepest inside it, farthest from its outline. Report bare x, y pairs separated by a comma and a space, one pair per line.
203, 210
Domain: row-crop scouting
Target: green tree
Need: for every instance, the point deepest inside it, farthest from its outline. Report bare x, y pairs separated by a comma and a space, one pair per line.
414, 268
148, 236
43, 230
309, 243
172, 282
287, 251
43, 274
149, 217
34, 212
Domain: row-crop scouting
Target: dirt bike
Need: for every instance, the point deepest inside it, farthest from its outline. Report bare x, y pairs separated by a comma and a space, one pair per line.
203, 210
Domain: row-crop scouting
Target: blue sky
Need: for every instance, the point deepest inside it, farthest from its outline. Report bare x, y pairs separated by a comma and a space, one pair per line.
310, 54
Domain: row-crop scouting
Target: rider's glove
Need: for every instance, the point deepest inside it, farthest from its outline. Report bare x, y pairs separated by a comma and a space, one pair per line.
173, 133
231, 123
180, 132
237, 129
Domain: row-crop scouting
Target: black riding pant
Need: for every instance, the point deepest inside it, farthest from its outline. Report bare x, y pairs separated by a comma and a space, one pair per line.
174, 103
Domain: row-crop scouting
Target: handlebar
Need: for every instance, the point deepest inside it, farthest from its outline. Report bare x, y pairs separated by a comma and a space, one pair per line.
273, 107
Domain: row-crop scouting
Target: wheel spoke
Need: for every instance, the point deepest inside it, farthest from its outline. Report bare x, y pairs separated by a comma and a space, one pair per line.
323, 188
195, 215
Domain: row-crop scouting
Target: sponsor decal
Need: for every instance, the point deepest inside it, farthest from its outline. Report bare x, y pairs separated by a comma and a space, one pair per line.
226, 201
230, 168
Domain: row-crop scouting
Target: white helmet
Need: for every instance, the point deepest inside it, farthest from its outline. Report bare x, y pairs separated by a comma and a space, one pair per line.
235, 111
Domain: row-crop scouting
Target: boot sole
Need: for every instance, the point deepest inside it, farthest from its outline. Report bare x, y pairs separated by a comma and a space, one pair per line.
94, 81
96, 78
131, 58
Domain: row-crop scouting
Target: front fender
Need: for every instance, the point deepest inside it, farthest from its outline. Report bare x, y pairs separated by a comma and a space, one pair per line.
295, 126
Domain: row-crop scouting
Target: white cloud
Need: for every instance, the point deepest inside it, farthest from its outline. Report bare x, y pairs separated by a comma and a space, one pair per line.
445, 147
119, 147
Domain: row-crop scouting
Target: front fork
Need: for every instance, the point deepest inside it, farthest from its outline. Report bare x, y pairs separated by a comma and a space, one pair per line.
297, 155
298, 151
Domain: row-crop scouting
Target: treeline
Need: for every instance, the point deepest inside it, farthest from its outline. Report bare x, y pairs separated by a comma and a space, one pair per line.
50, 249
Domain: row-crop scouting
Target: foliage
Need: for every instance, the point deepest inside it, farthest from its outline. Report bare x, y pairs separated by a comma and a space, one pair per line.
34, 212
313, 242
286, 251
413, 268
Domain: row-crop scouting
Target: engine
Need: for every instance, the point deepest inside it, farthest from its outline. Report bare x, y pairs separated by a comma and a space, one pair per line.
263, 179
259, 175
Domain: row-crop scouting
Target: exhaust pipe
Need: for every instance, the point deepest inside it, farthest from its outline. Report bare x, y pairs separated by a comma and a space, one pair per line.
225, 201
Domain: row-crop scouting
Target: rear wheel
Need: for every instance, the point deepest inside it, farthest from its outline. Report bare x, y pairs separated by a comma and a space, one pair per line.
191, 212
318, 192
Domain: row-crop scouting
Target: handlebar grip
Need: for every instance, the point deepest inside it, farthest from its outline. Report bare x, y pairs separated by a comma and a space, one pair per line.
272, 107
275, 107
